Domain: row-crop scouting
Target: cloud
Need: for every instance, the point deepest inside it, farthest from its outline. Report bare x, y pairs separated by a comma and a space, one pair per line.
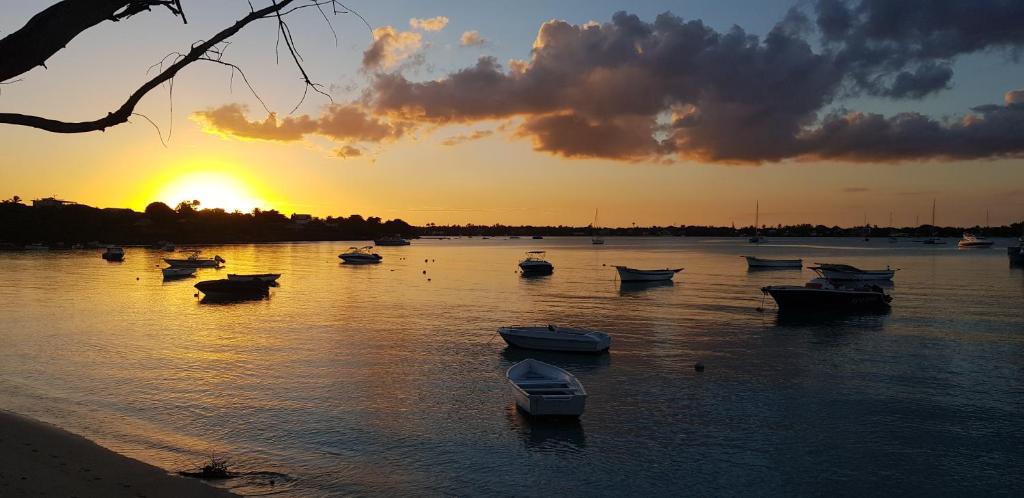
1014, 97
432, 24
338, 122
856, 190
347, 152
390, 47
471, 39
458, 139
672, 88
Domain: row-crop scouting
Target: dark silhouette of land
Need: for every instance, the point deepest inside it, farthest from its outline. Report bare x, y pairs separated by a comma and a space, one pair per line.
54, 222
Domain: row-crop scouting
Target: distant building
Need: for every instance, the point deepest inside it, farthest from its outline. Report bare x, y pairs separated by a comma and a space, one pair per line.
51, 202
301, 219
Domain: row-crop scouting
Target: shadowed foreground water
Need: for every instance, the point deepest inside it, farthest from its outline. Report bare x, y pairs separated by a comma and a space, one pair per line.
365, 380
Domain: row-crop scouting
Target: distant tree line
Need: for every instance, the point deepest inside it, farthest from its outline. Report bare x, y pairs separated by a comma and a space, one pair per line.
185, 224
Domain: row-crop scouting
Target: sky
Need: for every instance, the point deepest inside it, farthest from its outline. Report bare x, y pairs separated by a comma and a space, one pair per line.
655, 113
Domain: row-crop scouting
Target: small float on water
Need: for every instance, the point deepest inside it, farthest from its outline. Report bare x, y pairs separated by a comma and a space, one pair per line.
627, 274
552, 338
546, 390
755, 263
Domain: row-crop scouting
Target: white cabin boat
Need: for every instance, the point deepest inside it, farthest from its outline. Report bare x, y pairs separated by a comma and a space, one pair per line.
262, 277
627, 274
546, 390
360, 256
194, 261
971, 241
832, 271
535, 264
552, 338
755, 262
173, 272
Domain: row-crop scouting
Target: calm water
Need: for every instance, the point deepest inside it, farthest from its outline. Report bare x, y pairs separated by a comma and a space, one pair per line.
384, 380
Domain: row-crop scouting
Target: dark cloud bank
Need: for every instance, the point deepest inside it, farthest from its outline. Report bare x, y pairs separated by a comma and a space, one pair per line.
674, 88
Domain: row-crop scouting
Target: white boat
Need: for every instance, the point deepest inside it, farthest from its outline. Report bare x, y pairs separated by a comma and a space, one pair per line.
113, 254
546, 390
596, 239
755, 262
262, 277
552, 338
971, 241
627, 274
535, 264
194, 261
173, 272
360, 255
832, 271
757, 238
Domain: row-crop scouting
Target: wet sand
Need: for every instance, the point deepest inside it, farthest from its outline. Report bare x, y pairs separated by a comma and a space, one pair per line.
38, 459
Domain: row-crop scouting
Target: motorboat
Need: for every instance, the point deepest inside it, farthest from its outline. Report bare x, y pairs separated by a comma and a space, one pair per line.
195, 261
537, 237
833, 271
754, 262
825, 295
227, 289
172, 272
1016, 254
627, 274
360, 255
263, 277
552, 338
535, 264
113, 254
971, 241
541, 389
391, 240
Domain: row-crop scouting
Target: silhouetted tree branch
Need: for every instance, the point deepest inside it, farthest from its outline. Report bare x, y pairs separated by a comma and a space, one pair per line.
54, 27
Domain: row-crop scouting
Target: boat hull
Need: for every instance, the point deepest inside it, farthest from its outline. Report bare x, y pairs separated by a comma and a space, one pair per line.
563, 340
170, 273
633, 275
262, 277
113, 257
804, 298
536, 268
980, 244
360, 259
755, 262
192, 263
1016, 255
233, 289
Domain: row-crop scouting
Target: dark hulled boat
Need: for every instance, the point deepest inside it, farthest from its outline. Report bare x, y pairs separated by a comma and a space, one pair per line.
823, 296
233, 289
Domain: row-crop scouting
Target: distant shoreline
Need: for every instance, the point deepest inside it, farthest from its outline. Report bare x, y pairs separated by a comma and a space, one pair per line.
39, 459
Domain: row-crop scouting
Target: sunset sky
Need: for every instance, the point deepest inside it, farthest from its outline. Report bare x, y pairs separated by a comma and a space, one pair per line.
671, 112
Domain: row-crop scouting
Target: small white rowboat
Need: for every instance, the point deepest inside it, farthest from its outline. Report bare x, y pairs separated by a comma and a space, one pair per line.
546, 390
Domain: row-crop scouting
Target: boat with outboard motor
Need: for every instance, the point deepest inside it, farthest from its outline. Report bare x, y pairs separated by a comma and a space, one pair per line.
541, 389
627, 274
832, 271
824, 295
552, 338
535, 264
754, 262
194, 261
360, 256
971, 241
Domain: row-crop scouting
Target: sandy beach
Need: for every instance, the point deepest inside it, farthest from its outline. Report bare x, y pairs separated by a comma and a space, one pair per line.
38, 459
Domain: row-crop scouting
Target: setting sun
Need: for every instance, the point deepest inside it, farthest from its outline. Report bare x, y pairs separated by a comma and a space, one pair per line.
212, 189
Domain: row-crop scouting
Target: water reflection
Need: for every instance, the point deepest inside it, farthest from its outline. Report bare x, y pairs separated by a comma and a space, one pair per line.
225, 300
626, 288
575, 362
545, 434
868, 319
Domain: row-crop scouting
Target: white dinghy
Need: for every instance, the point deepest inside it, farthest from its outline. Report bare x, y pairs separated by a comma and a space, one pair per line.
546, 390
627, 274
552, 338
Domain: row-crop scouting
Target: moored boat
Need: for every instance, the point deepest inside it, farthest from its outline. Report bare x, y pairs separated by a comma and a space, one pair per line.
391, 240
360, 255
263, 277
755, 262
172, 272
227, 289
1016, 254
535, 264
627, 274
552, 338
971, 241
113, 254
833, 271
541, 389
822, 295
194, 261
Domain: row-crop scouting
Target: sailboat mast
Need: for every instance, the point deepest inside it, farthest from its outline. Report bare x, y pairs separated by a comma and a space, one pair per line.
757, 216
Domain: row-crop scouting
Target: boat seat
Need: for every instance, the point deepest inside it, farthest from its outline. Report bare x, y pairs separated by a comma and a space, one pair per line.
550, 391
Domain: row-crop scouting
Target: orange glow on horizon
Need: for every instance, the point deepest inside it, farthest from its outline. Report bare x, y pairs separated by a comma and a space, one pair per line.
213, 185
